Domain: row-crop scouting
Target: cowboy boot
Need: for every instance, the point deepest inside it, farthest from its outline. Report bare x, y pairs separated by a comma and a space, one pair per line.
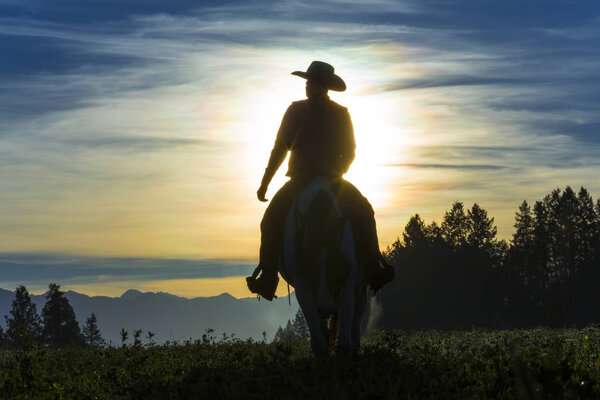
379, 273
264, 285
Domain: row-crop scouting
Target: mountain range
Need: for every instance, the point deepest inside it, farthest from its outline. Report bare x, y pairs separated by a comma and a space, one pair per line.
172, 317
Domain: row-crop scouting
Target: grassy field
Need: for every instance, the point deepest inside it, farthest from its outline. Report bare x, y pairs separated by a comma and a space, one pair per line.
522, 364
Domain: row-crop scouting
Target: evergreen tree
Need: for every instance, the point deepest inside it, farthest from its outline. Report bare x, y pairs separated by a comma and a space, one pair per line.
587, 226
2, 338
284, 334
414, 233
522, 274
433, 233
481, 230
455, 226
596, 240
60, 326
524, 235
296, 329
540, 270
300, 326
566, 241
24, 323
447, 278
125, 335
91, 333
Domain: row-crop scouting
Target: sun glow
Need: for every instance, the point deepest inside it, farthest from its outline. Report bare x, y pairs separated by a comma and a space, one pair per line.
377, 146
378, 140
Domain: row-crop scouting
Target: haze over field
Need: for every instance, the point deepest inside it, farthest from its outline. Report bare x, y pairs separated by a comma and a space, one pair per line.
171, 317
133, 137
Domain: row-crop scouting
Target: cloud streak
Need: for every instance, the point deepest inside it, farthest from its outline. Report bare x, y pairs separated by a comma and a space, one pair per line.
449, 166
132, 130
43, 268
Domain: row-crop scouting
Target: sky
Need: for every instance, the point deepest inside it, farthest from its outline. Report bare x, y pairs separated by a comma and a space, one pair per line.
133, 135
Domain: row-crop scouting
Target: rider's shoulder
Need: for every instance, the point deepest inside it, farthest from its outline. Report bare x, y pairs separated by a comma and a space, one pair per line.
299, 103
325, 102
337, 106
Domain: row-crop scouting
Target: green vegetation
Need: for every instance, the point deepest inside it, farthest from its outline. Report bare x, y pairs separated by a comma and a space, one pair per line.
524, 364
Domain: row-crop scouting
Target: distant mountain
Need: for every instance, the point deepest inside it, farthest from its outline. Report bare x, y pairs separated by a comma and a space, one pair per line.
171, 317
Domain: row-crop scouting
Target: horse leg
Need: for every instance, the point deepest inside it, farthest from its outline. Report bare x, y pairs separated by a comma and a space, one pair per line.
332, 332
346, 314
318, 340
360, 306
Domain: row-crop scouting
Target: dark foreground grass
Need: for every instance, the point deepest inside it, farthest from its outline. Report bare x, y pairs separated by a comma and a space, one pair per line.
523, 364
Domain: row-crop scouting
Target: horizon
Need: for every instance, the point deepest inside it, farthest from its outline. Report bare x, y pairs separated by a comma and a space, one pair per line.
133, 137
40, 293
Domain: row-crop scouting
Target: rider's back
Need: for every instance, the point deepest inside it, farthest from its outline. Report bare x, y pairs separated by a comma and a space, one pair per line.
319, 134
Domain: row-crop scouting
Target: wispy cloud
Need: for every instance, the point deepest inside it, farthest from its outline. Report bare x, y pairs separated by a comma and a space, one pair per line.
449, 166
43, 268
143, 129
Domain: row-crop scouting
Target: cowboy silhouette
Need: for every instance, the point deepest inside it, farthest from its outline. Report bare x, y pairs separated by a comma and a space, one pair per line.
320, 136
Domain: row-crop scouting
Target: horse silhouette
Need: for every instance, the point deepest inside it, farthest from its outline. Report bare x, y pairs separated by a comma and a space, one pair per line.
319, 260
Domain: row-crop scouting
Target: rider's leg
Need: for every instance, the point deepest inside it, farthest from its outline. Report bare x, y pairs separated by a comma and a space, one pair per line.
362, 218
271, 229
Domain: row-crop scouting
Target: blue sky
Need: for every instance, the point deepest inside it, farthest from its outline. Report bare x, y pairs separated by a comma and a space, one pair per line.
139, 130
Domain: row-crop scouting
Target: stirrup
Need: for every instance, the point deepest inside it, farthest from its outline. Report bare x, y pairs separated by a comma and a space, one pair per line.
263, 286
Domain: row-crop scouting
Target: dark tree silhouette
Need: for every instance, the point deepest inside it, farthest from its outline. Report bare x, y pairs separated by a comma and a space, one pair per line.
415, 235
91, 333
458, 275
60, 326
296, 329
137, 341
481, 232
455, 226
23, 325
3, 343
150, 338
124, 335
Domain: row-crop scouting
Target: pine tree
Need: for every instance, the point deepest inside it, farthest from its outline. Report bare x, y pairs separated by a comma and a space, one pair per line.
566, 243
91, 333
2, 338
60, 326
455, 226
300, 326
481, 230
296, 329
541, 249
587, 228
414, 232
524, 235
124, 335
23, 326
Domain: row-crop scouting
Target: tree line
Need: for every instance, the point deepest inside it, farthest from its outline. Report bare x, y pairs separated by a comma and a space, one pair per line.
457, 274
55, 327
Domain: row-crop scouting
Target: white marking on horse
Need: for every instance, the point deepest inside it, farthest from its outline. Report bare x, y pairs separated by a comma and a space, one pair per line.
348, 301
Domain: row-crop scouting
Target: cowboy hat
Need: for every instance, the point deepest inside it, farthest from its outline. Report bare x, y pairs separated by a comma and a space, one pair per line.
323, 72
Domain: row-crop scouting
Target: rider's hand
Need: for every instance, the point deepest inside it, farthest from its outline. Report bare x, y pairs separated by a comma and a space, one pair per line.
261, 192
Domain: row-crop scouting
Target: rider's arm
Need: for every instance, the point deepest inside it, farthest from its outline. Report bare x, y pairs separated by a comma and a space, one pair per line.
348, 144
281, 147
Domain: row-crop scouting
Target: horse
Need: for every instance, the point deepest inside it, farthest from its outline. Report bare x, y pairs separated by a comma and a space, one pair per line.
319, 259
